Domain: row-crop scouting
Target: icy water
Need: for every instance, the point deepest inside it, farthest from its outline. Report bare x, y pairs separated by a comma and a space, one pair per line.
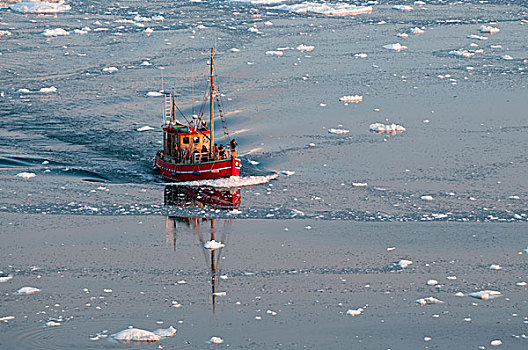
72, 108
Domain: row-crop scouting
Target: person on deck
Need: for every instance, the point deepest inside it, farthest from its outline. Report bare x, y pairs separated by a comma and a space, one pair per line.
221, 151
233, 145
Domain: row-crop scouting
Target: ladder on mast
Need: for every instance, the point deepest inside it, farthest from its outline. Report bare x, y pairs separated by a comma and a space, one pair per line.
167, 109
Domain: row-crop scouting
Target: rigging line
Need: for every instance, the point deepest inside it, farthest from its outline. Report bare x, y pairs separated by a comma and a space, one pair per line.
204, 102
222, 117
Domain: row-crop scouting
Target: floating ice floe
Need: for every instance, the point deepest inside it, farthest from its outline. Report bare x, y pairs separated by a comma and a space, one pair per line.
55, 32
110, 69
327, 9
154, 94
5, 33
351, 99
82, 31
220, 294
24, 91
25, 175
5, 278
395, 47
234, 49
338, 131
145, 128
427, 198
359, 184
52, 324
360, 55
274, 53
107, 290
48, 90
305, 48
149, 31
521, 284
506, 58
417, 31
216, 340
494, 267
233, 181
288, 172
485, 294
253, 162
259, 2
7, 318
477, 37
405, 8
432, 282
392, 128
402, 35
355, 312
40, 7
488, 29
27, 290
165, 333
135, 335
462, 53
146, 63
428, 301
496, 342
402, 263
513, 197
213, 245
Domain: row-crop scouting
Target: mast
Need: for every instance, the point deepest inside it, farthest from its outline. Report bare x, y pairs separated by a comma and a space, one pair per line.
211, 111
173, 105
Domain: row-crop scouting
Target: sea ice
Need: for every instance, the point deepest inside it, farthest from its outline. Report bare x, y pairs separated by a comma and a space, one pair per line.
145, 128
55, 32
485, 294
488, 29
154, 94
338, 131
234, 49
253, 162
274, 53
149, 31
213, 245
24, 91
506, 58
305, 48
233, 181
135, 335
7, 318
52, 324
432, 282
48, 90
338, 9
360, 55
494, 267
259, 2
351, 99
428, 301
110, 69
427, 198
216, 340
477, 37
392, 128
496, 342
27, 290
462, 53
359, 184
5, 33
25, 175
288, 172
40, 7
406, 8
5, 278
403, 263
417, 30
395, 47
167, 332
353, 312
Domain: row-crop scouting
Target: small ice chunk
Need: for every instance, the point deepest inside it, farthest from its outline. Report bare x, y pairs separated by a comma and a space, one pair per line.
149, 31
234, 49
427, 198
359, 184
403, 263
402, 35
40, 7
107, 290
145, 128
274, 53
110, 69
135, 335
395, 47
288, 172
451, 278
146, 63
432, 282
24, 91
506, 58
220, 294
52, 324
521, 284
426, 338
488, 29
25, 175
417, 30
253, 162
154, 94
216, 340
338, 131
305, 48
462, 53
167, 332
213, 245
7, 318
496, 342
477, 37
27, 290
55, 32
390, 249
351, 99
382, 128
494, 267
324, 8
405, 8
513, 197
360, 55
485, 294
459, 294
5, 277
48, 90
428, 301
355, 312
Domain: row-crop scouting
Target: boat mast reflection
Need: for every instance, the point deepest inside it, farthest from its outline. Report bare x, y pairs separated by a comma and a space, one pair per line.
204, 229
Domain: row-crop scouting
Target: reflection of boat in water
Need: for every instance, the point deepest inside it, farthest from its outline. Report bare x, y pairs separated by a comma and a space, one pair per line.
203, 229
205, 196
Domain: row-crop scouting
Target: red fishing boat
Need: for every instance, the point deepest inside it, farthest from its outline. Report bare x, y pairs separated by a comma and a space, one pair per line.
189, 151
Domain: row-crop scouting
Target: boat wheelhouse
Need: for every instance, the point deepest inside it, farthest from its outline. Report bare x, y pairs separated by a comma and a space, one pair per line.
189, 152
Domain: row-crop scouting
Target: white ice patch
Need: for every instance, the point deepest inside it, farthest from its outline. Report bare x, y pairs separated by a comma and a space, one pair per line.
360, 55
485, 294
338, 131
48, 90
5, 278
25, 175
403, 263
149, 31
5, 33
428, 301
274, 53
154, 94
462, 53
167, 332
216, 340
327, 9
232, 182
380, 128
359, 184
135, 335
52, 324
351, 99
432, 282
145, 128
234, 49
494, 267
27, 290
213, 245
488, 29
110, 69
506, 58
355, 312
477, 37
496, 342
395, 47
427, 198
405, 8
55, 32
305, 48
258, 2
417, 31
40, 7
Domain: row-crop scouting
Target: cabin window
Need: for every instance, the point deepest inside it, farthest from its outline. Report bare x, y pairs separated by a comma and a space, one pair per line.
185, 140
196, 139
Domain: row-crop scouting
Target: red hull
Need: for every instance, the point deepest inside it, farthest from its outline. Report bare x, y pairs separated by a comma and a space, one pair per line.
199, 171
